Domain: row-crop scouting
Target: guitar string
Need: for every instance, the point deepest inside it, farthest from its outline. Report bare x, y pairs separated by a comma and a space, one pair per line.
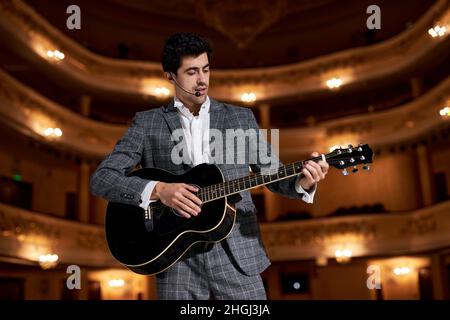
232, 183
256, 176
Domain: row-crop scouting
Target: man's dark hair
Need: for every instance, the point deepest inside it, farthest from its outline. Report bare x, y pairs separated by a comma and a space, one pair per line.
181, 45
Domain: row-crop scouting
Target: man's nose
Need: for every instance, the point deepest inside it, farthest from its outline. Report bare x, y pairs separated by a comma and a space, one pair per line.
201, 77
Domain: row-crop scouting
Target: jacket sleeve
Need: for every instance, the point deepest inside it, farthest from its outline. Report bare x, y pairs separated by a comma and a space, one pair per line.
110, 180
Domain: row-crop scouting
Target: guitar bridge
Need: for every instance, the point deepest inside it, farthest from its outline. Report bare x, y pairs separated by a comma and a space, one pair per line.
148, 221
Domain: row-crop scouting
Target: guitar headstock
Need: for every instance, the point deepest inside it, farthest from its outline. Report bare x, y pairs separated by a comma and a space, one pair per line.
343, 158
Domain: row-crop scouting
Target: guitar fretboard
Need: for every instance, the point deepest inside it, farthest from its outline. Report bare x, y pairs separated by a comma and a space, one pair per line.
340, 158
251, 181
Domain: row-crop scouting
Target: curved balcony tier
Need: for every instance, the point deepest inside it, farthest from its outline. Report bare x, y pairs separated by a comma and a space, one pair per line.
31, 114
31, 36
374, 235
26, 235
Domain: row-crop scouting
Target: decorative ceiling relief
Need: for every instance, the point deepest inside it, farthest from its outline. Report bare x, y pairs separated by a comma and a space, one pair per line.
241, 21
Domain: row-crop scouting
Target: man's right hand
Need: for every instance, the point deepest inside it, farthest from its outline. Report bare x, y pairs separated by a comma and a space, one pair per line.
178, 196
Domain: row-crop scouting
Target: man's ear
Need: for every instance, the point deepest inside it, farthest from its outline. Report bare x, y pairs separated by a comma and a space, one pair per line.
169, 76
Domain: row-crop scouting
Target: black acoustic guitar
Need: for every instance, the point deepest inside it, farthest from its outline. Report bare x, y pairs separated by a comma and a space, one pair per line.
150, 241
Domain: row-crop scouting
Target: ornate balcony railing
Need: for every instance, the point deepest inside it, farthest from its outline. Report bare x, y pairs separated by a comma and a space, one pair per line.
27, 235
364, 235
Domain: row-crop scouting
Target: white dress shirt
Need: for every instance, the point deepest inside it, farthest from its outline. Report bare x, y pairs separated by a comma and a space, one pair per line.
196, 133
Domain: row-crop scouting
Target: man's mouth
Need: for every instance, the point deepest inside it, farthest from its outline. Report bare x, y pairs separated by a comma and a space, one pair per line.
201, 90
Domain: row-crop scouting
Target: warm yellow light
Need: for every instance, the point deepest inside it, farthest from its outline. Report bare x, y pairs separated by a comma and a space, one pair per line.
155, 87
343, 145
437, 31
55, 55
334, 147
248, 97
161, 92
47, 261
343, 255
401, 271
57, 132
445, 112
116, 283
334, 83
59, 55
53, 132
48, 132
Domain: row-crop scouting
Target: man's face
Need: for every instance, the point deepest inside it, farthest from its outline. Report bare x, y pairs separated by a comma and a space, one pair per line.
193, 76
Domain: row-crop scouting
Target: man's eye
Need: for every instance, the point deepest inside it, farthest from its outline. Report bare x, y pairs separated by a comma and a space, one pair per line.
191, 73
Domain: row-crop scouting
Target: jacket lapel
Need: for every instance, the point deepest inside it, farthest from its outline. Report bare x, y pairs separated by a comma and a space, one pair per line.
171, 116
216, 115
217, 118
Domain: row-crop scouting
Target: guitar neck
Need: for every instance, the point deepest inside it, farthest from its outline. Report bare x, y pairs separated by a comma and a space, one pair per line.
340, 158
227, 188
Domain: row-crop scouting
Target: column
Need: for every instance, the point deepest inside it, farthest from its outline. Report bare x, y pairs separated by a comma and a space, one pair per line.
272, 204
98, 208
264, 112
269, 197
438, 278
83, 191
416, 87
85, 105
425, 175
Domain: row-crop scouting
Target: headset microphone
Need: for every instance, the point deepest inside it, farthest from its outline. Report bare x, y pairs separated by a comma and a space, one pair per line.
197, 93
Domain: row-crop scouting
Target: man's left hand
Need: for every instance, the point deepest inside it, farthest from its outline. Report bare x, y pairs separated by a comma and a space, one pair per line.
313, 172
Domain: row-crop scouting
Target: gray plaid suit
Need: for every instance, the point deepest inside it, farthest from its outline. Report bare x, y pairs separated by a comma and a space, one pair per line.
229, 269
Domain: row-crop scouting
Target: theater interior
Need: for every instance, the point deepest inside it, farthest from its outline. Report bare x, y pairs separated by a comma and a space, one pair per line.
314, 70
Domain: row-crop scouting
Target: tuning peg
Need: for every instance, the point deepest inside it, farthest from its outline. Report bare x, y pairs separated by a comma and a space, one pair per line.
345, 172
367, 168
355, 169
350, 146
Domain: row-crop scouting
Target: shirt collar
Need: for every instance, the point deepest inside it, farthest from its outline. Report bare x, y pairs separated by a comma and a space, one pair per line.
186, 112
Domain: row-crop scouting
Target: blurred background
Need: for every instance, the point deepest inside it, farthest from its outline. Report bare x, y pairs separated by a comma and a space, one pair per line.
313, 69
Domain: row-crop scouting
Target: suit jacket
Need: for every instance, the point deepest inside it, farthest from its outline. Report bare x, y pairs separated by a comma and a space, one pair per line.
148, 142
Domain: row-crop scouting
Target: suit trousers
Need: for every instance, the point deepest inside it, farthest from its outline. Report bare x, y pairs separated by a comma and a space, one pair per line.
208, 271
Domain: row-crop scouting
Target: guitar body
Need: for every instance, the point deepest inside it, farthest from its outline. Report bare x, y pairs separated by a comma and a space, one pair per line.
152, 250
